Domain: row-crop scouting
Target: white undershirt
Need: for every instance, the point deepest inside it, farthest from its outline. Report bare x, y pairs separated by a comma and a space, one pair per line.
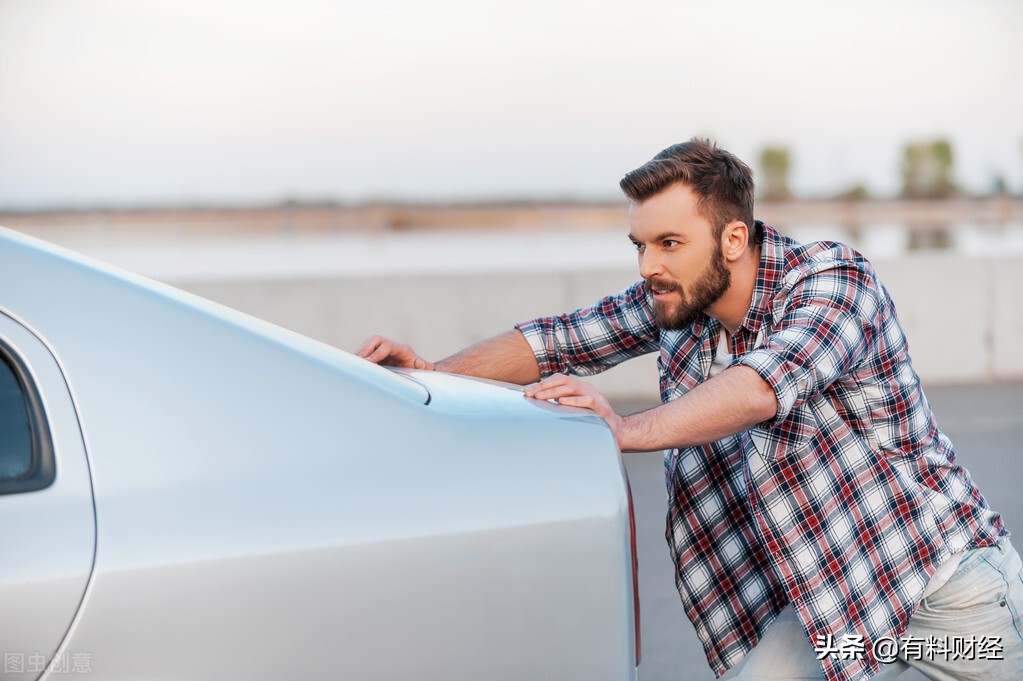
723, 357
943, 573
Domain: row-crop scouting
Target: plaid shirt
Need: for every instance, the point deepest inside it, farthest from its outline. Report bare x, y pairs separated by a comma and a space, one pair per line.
843, 504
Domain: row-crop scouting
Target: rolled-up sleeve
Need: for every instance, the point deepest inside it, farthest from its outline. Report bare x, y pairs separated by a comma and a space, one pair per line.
593, 339
826, 330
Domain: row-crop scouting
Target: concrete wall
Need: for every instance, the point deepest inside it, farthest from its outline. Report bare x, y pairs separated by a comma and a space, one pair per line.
963, 317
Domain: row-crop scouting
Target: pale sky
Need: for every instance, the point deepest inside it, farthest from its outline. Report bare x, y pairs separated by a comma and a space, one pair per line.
128, 102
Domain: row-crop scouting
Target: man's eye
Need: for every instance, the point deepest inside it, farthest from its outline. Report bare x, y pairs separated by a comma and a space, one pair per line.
670, 243
639, 246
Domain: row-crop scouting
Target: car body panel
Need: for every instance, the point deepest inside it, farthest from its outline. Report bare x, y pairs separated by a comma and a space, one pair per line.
49, 534
269, 506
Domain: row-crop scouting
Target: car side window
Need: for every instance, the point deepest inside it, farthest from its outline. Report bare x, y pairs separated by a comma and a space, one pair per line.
26, 452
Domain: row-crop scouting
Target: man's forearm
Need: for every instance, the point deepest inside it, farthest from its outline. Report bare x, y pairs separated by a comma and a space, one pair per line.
506, 357
733, 401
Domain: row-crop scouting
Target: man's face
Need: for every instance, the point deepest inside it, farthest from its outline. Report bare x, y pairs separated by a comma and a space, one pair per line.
680, 257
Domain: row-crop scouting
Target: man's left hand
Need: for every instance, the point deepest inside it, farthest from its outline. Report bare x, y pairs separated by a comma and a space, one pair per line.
574, 392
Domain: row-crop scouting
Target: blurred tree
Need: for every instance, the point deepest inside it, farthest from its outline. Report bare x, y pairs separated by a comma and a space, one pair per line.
775, 163
999, 187
927, 170
857, 192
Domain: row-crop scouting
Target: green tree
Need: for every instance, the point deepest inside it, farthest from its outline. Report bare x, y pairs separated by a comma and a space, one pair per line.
855, 192
928, 170
775, 163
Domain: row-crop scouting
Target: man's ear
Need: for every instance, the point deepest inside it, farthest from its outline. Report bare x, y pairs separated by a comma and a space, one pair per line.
734, 240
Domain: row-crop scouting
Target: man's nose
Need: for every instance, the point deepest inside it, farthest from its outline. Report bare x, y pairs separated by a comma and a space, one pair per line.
649, 264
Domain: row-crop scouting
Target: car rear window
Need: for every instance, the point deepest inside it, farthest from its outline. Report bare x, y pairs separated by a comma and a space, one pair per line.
16, 443
26, 448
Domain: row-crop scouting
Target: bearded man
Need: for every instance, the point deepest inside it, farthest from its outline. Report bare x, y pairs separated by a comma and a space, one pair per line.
812, 499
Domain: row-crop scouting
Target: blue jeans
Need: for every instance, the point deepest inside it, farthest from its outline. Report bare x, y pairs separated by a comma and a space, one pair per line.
982, 602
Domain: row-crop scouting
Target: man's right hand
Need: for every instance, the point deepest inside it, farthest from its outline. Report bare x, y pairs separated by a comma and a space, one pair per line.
380, 350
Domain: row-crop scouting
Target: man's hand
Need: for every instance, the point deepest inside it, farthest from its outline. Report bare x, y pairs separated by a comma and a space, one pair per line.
505, 357
380, 350
735, 400
574, 392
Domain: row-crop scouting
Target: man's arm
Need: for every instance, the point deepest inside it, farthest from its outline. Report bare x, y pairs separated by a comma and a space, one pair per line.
595, 338
828, 328
733, 401
506, 357
587, 341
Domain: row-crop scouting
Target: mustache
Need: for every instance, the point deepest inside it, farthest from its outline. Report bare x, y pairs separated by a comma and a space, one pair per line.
660, 284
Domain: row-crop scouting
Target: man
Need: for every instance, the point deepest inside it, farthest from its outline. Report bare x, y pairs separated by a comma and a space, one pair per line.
816, 513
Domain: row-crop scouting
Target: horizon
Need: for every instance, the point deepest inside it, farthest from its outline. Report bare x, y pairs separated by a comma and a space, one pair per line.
480, 202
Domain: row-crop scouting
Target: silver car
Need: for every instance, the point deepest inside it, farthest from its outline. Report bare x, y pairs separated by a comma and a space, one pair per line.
190, 493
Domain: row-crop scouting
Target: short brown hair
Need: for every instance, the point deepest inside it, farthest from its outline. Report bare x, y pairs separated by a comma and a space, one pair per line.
723, 183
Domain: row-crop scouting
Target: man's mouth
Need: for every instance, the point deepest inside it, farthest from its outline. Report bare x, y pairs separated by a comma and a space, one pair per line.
659, 289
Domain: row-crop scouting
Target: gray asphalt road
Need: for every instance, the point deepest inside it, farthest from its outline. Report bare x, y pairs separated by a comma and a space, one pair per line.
984, 422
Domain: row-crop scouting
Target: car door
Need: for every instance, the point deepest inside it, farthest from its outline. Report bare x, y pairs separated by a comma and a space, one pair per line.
47, 518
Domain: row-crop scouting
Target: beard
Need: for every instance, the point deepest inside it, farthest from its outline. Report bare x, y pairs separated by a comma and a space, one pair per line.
704, 292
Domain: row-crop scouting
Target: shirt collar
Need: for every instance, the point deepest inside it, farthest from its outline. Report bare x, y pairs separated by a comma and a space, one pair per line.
769, 272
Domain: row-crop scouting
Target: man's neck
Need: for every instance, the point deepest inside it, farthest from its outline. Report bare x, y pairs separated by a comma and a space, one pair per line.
731, 308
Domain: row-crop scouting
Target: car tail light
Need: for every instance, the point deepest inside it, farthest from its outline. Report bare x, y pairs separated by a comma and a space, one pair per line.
635, 569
